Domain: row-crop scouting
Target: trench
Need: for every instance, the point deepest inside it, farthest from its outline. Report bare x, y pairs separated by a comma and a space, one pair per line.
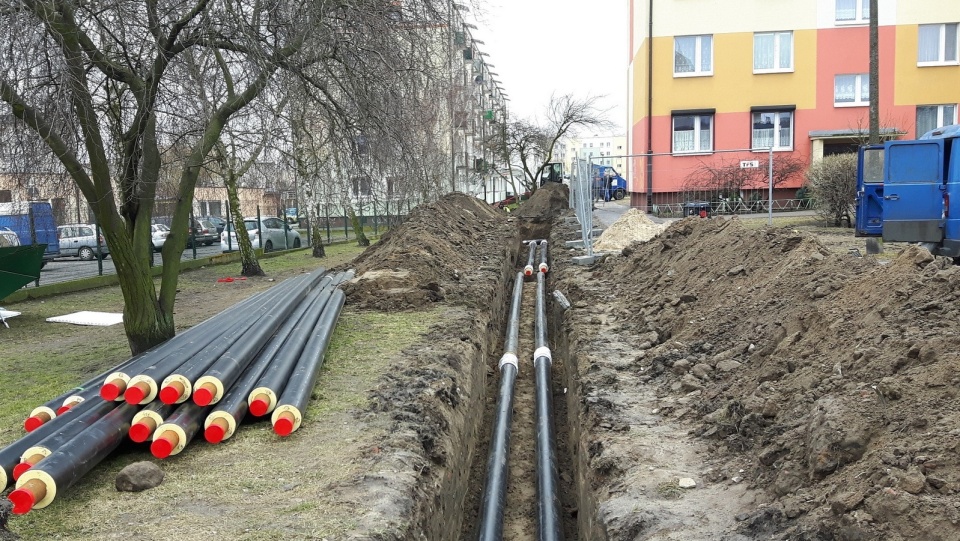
520, 516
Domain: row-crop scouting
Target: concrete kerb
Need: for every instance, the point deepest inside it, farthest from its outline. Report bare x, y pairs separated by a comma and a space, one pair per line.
107, 280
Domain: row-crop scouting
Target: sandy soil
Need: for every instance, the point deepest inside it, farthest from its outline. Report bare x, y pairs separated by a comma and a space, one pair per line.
807, 393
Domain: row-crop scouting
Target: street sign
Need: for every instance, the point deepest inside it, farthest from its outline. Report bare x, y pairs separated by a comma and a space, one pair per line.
749, 164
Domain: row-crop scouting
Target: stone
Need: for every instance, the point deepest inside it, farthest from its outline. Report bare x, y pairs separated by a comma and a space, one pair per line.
845, 502
912, 481
139, 476
690, 383
686, 482
702, 371
680, 367
728, 366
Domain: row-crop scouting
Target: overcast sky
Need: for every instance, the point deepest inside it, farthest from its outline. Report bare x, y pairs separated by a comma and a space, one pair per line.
539, 47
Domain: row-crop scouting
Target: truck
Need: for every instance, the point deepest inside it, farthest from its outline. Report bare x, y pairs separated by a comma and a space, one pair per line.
34, 224
607, 183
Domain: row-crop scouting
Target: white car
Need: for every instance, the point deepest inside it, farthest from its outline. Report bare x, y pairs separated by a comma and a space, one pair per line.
158, 235
81, 240
269, 235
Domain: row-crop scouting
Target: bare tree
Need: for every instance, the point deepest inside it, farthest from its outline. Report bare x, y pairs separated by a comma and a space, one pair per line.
833, 187
724, 177
531, 145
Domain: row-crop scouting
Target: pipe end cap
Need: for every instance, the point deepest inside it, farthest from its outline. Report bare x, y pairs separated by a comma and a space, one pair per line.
139, 432
161, 448
23, 501
169, 395
134, 395
110, 391
214, 434
283, 427
202, 396
259, 407
20, 469
32, 423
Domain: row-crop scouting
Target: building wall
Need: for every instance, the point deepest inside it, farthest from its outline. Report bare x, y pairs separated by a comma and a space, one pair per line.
822, 48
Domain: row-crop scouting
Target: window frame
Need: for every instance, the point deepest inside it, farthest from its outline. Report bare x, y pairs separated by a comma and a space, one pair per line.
697, 116
697, 57
942, 45
861, 15
776, 52
858, 101
941, 121
776, 128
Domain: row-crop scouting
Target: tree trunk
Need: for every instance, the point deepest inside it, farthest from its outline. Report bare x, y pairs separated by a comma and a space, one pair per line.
362, 239
874, 138
318, 250
249, 264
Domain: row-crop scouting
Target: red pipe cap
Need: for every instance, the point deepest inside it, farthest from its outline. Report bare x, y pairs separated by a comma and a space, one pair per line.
259, 407
283, 427
161, 448
23, 501
139, 432
21, 469
134, 395
214, 434
202, 396
62, 409
32, 423
109, 391
169, 395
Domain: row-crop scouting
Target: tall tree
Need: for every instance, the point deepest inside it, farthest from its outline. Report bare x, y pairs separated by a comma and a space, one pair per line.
874, 74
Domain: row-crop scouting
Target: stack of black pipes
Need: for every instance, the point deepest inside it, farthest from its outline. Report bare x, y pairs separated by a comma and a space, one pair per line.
217, 363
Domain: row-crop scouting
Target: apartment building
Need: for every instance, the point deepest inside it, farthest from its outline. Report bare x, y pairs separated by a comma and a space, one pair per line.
599, 150
709, 77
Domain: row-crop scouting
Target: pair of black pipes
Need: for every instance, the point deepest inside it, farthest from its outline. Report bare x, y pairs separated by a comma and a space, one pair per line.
495, 491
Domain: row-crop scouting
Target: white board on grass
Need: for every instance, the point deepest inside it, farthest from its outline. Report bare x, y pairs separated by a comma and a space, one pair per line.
99, 319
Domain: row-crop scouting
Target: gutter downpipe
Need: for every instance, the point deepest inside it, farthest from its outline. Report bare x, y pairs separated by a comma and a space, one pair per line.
650, 109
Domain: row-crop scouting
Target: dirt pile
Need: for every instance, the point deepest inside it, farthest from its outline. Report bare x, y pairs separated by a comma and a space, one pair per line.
439, 252
633, 226
827, 381
546, 203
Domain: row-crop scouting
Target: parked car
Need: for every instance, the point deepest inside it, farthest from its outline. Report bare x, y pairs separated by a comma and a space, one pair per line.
158, 236
203, 232
272, 229
8, 238
512, 200
81, 240
217, 221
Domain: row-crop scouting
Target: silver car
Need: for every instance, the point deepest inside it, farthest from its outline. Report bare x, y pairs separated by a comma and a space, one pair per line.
269, 235
81, 240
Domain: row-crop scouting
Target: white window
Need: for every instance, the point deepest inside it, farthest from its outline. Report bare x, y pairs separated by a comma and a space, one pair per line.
931, 117
851, 90
772, 129
772, 52
938, 44
853, 11
692, 56
692, 133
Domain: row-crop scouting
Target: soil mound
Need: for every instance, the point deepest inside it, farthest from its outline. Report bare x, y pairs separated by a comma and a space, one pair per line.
546, 203
632, 226
439, 252
835, 376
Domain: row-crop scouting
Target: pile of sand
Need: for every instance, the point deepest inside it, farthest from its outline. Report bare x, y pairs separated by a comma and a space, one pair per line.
632, 226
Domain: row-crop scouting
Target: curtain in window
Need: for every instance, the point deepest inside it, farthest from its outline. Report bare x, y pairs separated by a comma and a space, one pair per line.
763, 51
865, 9
864, 88
684, 53
847, 9
844, 90
683, 134
762, 130
786, 50
949, 115
706, 53
706, 133
785, 133
950, 42
926, 119
929, 49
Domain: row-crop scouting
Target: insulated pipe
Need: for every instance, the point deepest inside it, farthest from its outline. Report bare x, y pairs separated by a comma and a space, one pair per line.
75, 425
176, 432
39, 485
115, 383
528, 270
43, 414
495, 489
146, 421
262, 399
10, 455
543, 257
210, 383
288, 415
548, 504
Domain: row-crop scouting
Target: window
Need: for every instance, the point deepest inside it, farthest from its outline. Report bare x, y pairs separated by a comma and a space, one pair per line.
938, 44
772, 129
773, 51
693, 133
931, 117
851, 90
692, 55
853, 11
